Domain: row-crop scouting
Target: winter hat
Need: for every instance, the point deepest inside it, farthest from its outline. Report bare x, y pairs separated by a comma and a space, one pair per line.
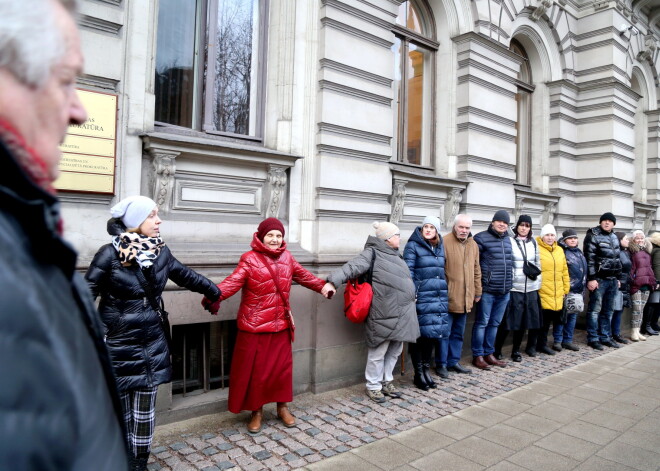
568, 233
501, 215
637, 231
607, 217
385, 230
133, 210
548, 229
524, 218
267, 225
434, 221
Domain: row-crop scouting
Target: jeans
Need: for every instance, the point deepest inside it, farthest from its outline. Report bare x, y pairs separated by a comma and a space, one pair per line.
490, 311
564, 333
599, 311
380, 363
448, 350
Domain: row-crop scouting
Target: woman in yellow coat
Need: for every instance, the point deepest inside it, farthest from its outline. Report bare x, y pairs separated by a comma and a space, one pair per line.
555, 284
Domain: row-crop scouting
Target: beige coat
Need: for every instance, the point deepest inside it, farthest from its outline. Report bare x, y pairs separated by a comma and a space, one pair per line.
463, 272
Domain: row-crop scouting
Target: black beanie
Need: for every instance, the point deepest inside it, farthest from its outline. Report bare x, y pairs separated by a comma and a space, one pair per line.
501, 215
568, 233
607, 217
524, 218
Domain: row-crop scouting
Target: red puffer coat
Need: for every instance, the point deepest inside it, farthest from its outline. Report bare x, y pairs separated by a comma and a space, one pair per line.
262, 308
642, 267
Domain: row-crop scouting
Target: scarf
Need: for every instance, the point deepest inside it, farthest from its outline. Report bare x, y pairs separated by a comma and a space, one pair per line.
133, 246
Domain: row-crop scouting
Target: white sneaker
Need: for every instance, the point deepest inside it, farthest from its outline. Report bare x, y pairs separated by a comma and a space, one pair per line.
376, 395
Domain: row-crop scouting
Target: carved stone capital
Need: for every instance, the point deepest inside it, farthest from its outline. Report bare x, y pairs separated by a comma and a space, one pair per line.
518, 209
164, 169
452, 206
549, 213
541, 9
648, 52
275, 189
397, 200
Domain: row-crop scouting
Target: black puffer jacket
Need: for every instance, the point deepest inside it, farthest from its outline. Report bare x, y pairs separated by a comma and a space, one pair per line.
134, 333
496, 260
601, 249
59, 407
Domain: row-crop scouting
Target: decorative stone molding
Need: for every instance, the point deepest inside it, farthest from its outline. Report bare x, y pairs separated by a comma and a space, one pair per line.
164, 169
540, 206
549, 213
541, 9
398, 200
452, 205
648, 53
644, 215
275, 190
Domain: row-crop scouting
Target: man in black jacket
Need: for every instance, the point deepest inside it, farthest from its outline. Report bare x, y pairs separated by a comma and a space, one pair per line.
59, 409
601, 249
496, 261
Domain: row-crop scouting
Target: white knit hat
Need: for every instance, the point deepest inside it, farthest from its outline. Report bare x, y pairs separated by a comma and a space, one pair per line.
548, 229
434, 221
385, 230
133, 210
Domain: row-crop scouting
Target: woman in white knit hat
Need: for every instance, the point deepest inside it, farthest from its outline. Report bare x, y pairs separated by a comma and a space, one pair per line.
129, 274
392, 318
555, 284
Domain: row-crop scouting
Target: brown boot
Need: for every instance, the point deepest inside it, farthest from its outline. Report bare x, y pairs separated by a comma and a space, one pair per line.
254, 426
491, 360
480, 363
284, 415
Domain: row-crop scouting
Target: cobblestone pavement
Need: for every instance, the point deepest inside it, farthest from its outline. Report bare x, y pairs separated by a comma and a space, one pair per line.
336, 422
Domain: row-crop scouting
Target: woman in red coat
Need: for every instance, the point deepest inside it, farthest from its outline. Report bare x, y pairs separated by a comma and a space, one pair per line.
262, 365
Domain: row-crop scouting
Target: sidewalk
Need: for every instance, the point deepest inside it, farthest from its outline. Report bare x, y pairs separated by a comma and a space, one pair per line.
585, 410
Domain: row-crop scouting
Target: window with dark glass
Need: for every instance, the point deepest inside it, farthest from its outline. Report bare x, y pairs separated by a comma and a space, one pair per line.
209, 63
414, 55
524, 117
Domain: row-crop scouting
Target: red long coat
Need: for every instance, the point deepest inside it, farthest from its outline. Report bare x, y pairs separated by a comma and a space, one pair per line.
262, 308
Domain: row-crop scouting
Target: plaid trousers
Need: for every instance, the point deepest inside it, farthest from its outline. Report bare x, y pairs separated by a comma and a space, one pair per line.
140, 418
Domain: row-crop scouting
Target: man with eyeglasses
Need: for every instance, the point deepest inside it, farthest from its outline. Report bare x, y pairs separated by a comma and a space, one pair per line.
496, 261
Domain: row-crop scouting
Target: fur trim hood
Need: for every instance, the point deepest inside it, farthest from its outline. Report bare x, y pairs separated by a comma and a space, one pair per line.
633, 248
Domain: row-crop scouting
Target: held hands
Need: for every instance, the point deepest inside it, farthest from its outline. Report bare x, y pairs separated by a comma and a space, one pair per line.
592, 285
328, 290
212, 307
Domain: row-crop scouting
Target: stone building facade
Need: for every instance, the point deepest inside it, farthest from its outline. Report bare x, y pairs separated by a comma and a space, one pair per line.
330, 114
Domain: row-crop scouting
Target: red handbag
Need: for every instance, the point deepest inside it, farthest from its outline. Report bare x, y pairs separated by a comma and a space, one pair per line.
358, 295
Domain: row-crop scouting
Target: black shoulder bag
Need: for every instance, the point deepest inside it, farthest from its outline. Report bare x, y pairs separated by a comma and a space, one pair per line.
160, 309
530, 270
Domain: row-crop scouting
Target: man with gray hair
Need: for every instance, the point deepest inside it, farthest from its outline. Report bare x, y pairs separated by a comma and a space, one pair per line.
463, 275
59, 407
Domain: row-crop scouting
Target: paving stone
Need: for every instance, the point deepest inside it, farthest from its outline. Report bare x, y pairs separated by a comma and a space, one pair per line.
312, 431
158, 449
208, 436
225, 446
225, 465
328, 453
210, 451
178, 446
304, 452
262, 455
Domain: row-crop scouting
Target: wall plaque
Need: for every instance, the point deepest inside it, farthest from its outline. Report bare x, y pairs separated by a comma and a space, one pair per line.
88, 151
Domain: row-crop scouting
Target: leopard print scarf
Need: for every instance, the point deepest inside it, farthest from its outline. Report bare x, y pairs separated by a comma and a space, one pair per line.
133, 246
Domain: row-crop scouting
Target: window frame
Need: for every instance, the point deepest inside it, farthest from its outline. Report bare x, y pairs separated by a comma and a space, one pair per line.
406, 37
524, 116
203, 102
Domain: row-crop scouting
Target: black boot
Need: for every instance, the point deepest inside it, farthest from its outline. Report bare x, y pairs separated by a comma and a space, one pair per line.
655, 315
141, 462
419, 379
426, 368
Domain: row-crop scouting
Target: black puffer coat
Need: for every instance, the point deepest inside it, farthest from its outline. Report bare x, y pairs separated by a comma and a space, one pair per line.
134, 333
59, 407
601, 249
496, 260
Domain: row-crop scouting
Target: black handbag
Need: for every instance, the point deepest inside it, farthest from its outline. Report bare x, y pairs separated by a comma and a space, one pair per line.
530, 270
160, 309
654, 298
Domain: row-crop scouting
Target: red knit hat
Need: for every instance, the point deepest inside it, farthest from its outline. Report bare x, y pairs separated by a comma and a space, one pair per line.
267, 225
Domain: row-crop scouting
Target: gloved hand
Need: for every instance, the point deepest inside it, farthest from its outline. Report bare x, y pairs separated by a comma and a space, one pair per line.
212, 306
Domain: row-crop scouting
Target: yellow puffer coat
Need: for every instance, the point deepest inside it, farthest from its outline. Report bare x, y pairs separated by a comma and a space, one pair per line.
554, 275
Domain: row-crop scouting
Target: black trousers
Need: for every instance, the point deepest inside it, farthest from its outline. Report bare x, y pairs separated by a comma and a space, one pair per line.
549, 317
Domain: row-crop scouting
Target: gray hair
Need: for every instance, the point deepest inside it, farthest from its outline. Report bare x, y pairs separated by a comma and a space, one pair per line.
460, 217
31, 43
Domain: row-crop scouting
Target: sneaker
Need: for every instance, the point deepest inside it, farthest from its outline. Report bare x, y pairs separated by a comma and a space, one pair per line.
595, 345
570, 346
376, 395
390, 390
557, 347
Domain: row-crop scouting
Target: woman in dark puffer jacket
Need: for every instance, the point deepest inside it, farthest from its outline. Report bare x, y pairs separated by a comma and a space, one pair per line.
622, 299
425, 256
134, 331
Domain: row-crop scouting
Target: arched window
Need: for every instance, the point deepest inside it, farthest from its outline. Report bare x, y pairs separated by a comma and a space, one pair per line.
524, 120
414, 54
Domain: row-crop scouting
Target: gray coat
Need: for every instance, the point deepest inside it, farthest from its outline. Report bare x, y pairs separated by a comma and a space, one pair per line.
392, 315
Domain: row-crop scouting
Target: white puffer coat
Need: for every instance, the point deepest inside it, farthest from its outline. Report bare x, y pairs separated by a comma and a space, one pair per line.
521, 283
